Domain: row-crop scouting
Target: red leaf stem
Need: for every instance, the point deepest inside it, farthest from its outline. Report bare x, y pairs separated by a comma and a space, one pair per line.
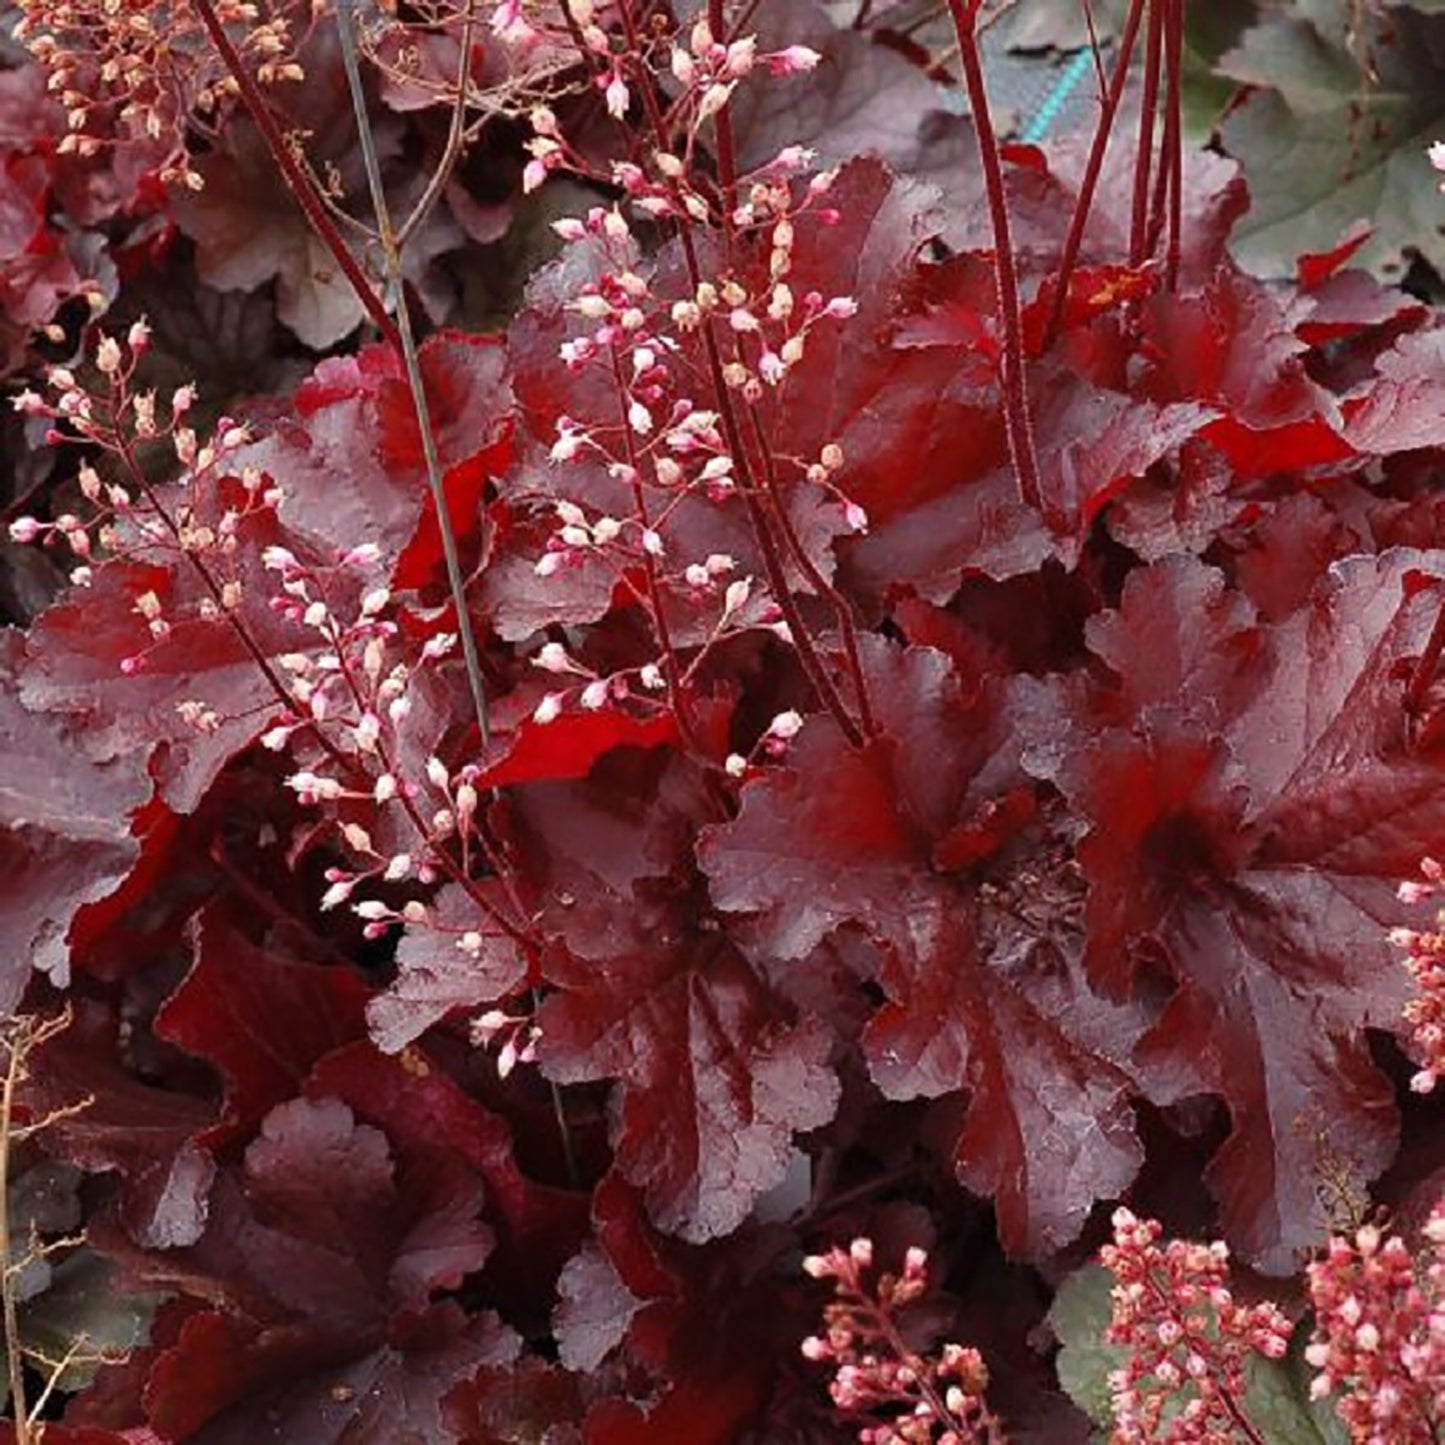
1109, 109
1015, 382
1153, 49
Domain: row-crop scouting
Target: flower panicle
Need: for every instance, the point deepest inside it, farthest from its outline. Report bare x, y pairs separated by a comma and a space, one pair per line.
906, 1398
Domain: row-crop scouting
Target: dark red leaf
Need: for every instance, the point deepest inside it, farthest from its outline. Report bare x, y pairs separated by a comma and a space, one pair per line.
714, 1079
1049, 1128
422, 562
594, 1310
460, 960
216, 1387
326, 1250
1251, 849
847, 836
67, 839
79, 650
569, 745
146, 1133
531, 1400
1313, 270
350, 459
262, 1019
426, 1113
1404, 407
1231, 347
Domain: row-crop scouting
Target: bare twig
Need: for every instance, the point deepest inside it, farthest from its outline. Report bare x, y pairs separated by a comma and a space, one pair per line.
23, 1034
456, 135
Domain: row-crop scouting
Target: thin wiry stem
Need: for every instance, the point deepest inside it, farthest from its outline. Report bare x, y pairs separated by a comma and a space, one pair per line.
1173, 140
22, 1036
14, 1349
1153, 51
294, 174
456, 135
1095, 47
391, 259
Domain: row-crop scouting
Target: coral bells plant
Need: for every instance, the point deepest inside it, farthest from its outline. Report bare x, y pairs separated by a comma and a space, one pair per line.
628, 647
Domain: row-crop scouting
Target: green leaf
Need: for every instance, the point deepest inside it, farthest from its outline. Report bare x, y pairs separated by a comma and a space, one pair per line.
1210, 31
1080, 1315
82, 1313
1276, 1405
44, 1201
1326, 142
1327, 1423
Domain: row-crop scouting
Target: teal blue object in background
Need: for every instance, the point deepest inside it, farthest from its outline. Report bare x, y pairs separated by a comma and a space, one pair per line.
1057, 98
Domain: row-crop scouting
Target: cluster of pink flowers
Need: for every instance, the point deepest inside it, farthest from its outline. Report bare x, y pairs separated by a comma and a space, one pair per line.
1379, 1339
661, 446
127, 513
124, 78
913, 1399
1425, 961
1189, 1340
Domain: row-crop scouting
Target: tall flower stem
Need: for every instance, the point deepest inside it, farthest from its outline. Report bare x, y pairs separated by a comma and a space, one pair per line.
1017, 421
1149, 104
416, 383
1109, 109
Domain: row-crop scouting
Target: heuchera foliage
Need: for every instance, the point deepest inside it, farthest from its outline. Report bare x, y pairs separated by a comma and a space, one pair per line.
857, 846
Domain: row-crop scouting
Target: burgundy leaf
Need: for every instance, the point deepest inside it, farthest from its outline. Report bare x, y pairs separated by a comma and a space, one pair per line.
1402, 408
91, 655
349, 459
714, 1079
1252, 852
459, 959
847, 836
1049, 1128
569, 745
423, 1109
1230, 347
217, 1385
594, 1310
326, 1252
67, 840
262, 1019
